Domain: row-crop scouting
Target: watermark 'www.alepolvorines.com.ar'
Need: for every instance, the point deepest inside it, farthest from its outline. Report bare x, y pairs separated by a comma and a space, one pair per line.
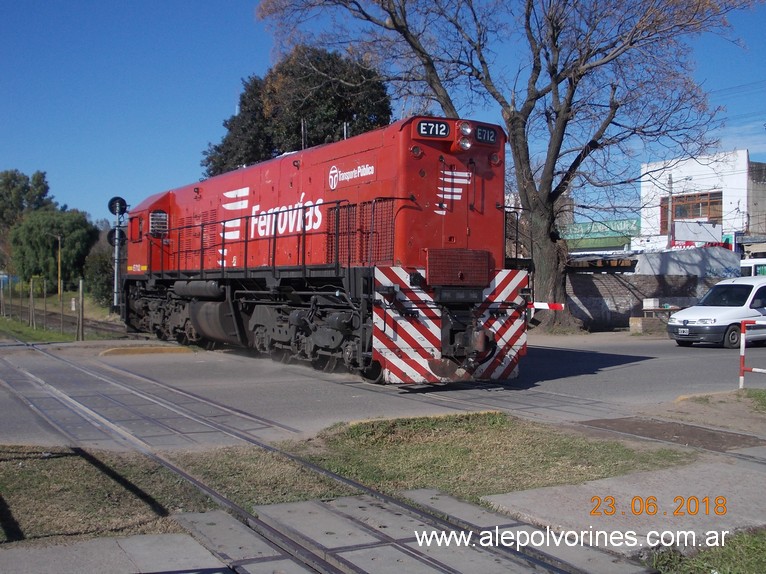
519, 539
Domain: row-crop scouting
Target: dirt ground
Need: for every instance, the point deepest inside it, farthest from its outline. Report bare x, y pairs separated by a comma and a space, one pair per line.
730, 411
718, 422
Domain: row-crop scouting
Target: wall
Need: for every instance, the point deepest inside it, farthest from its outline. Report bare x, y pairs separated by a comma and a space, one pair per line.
700, 261
604, 301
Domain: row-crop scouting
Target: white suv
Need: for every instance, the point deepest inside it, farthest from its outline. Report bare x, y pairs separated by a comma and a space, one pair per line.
716, 318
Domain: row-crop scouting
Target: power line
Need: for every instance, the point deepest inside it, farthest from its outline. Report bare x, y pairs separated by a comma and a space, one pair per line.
741, 89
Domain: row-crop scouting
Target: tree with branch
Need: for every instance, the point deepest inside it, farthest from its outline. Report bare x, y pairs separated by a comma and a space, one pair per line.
310, 97
582, 86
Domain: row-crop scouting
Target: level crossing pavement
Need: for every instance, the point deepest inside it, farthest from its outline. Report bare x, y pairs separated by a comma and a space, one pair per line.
561, 509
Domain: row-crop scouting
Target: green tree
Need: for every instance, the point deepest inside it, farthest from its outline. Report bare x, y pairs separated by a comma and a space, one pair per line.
581, 85
19, 194
99, 275
310, 97
313, 97
99, 267
35, 244
247, 138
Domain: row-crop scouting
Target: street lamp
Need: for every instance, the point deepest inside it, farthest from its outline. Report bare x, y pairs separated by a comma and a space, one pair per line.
58, 237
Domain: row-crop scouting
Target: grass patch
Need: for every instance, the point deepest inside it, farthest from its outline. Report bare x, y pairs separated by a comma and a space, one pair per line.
72, 493
758, 396
743, 553
20, 330
61, 492
52, 334
473, 455
250, 476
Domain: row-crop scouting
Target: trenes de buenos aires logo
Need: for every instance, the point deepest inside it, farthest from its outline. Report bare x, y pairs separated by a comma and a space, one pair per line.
335, 175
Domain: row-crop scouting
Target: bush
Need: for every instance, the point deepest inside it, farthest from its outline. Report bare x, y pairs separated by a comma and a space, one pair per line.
99, 275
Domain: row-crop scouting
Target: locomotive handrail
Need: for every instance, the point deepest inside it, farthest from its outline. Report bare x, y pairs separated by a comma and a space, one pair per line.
217, 229
273, 237
202, 249
178, 252
247, 243
371, 230
223, 248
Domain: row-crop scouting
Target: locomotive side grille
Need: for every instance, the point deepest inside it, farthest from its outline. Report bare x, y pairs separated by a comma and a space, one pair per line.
184, 234
361, 234
196, 233
341, 234
457, 267
376, 241
185, 241
210, 228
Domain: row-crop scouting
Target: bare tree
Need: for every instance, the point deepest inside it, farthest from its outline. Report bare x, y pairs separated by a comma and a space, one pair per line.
582, 86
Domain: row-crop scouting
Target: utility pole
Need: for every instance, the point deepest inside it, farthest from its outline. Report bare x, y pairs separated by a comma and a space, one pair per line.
670, 211
58, 237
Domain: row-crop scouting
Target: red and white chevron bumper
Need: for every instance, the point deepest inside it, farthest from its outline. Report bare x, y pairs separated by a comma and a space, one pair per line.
407, 330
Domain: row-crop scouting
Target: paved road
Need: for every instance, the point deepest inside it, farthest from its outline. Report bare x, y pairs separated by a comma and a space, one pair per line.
629, 369
563, 378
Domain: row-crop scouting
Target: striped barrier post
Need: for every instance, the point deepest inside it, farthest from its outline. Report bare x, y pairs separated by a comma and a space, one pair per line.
550, 306
742, 342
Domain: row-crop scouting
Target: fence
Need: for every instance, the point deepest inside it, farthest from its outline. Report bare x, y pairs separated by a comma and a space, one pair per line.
12, 305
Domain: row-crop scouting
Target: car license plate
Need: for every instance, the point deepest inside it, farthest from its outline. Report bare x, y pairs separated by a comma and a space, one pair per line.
683, 331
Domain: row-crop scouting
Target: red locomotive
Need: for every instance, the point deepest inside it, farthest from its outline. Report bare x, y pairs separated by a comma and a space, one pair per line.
385, 252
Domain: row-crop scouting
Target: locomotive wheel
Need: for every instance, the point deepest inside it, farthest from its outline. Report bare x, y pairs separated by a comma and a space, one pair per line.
320, 362
330, 365
373, 373
209, 345
261, 339
280, 355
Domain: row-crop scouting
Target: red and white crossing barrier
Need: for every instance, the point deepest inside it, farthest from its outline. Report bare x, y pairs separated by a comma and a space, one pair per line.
742, 342
550, 306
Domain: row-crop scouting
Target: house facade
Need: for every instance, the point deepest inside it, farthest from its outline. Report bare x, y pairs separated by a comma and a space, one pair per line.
719, 198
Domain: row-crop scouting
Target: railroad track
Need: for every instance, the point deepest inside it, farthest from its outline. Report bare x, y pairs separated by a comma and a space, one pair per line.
54, 320
100, 391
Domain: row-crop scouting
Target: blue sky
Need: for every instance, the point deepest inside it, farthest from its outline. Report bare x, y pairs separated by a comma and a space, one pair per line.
121, 98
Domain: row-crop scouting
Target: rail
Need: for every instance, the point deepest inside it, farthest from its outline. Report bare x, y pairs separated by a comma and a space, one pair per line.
157, 396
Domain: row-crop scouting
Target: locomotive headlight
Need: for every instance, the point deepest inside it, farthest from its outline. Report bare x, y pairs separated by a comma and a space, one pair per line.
416, 151
494, 159
464, 143
465, 128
